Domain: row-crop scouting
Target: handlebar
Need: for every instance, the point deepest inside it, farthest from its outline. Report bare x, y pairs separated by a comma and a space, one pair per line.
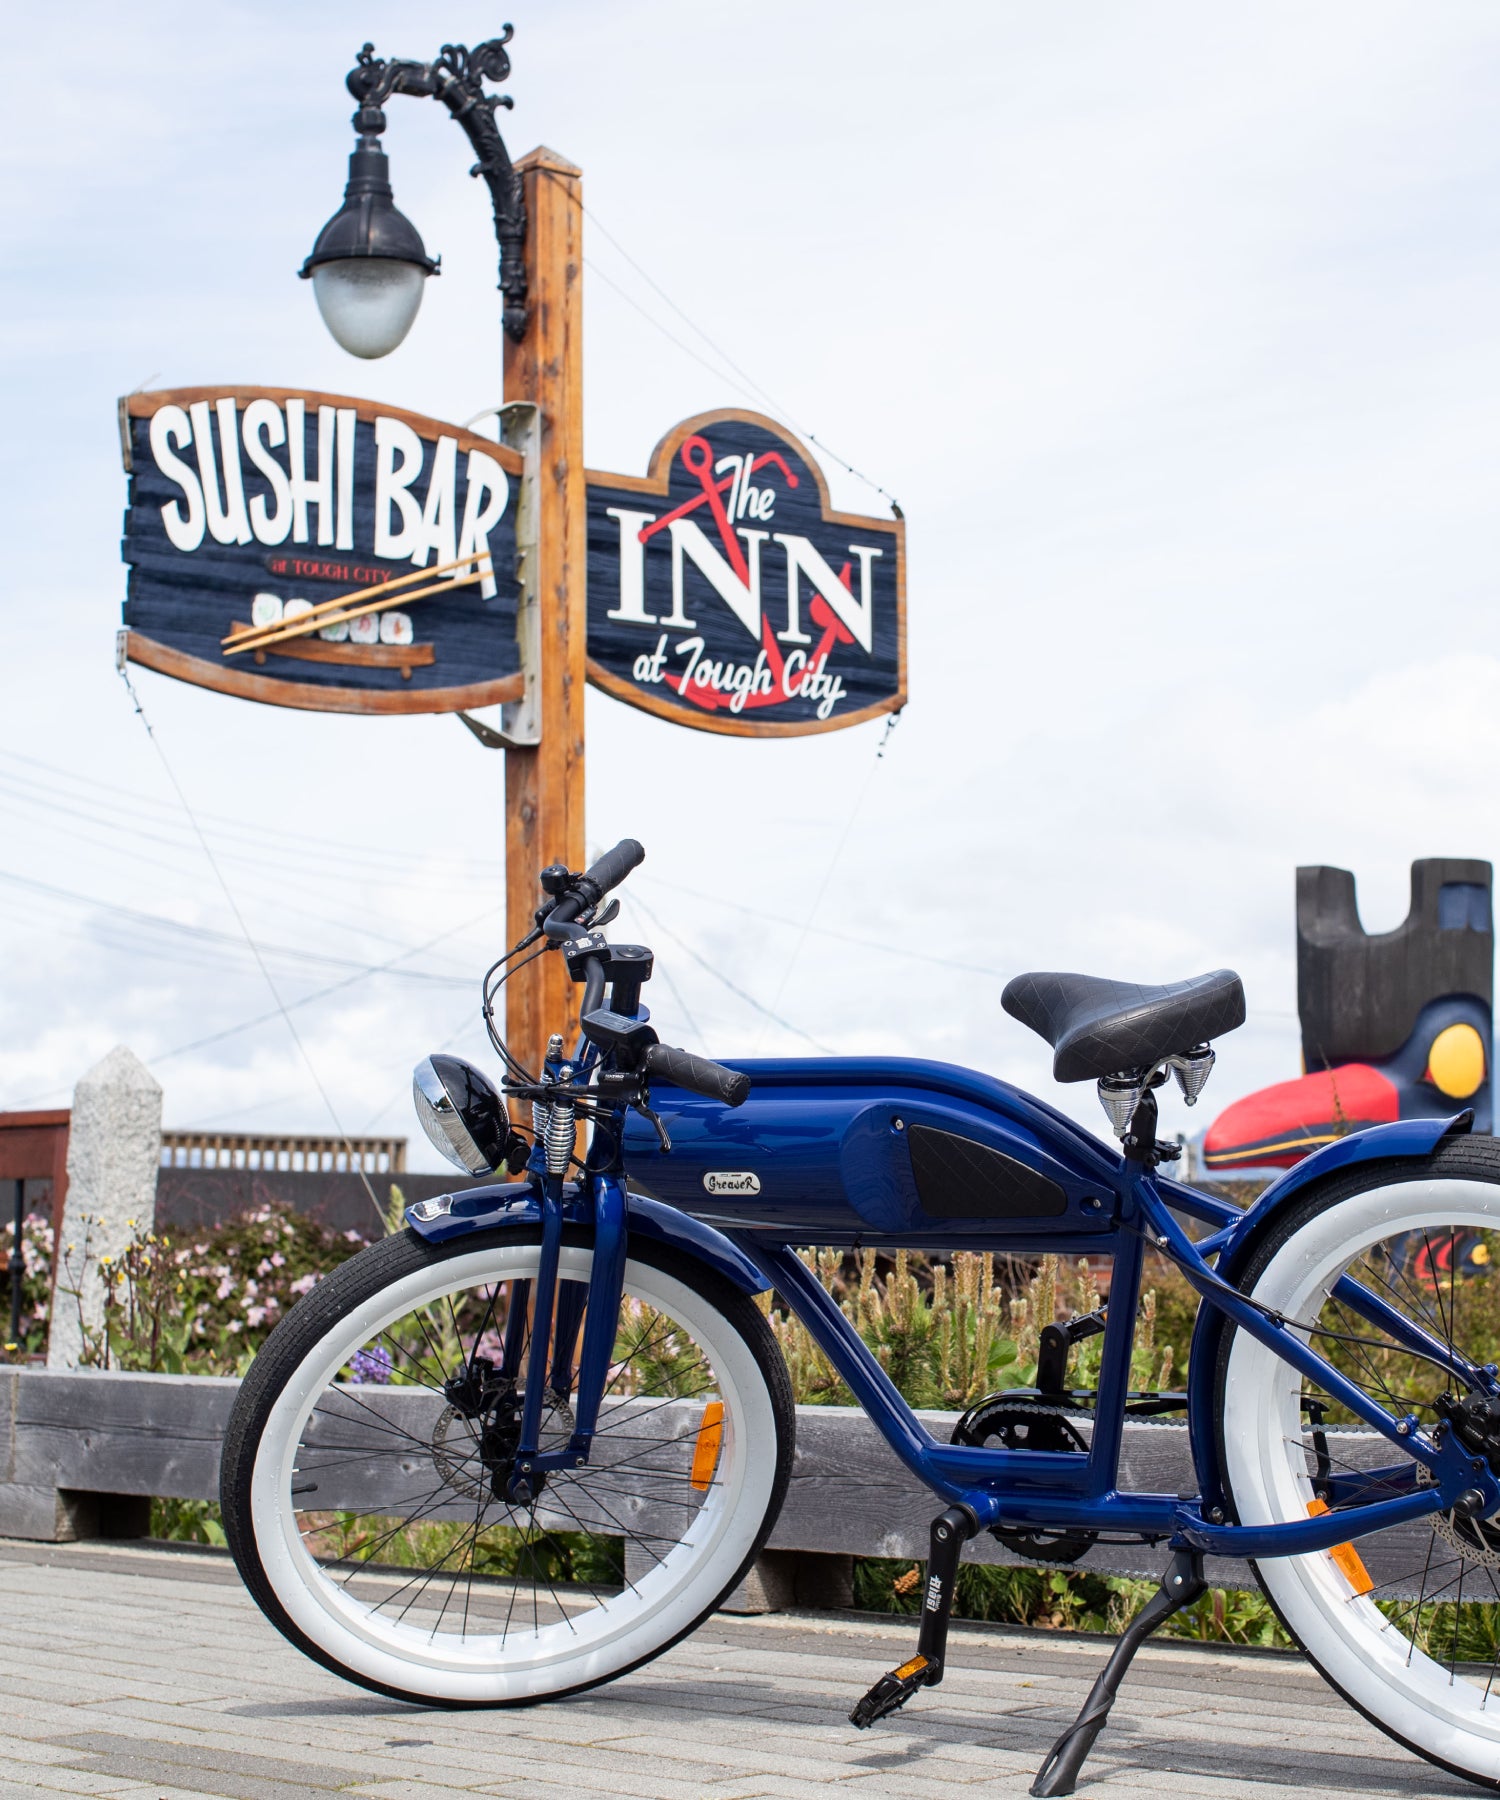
591, 887
612, 868
593, 987
679, 1067
697, 1074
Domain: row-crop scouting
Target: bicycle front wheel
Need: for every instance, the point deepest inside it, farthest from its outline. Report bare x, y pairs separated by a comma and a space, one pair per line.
1385, 1619
368, 1454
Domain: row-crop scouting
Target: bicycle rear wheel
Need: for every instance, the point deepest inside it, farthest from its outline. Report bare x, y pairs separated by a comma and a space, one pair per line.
368, 1452
1379, 1618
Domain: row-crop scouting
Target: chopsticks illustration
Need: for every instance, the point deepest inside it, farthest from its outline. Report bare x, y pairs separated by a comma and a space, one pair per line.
335, 612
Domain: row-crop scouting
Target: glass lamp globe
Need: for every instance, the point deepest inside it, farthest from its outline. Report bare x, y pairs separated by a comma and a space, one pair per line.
368, 265
368, 303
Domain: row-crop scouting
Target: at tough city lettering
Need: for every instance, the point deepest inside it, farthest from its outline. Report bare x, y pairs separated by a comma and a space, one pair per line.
768, 679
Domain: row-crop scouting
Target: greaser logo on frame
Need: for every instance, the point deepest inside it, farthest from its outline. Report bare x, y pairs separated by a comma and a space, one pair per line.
732, 1181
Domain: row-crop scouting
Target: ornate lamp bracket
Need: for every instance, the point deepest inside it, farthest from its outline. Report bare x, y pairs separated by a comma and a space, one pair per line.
457, 77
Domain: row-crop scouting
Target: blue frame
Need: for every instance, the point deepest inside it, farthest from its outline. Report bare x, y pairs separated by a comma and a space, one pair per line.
826, 1141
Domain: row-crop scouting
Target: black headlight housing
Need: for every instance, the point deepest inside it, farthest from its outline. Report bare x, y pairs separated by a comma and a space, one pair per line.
461, 1112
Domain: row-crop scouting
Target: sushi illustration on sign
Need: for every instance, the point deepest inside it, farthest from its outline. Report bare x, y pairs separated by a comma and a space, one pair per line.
724, 592
315, 551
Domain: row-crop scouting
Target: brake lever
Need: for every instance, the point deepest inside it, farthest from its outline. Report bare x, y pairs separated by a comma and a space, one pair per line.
646, 1112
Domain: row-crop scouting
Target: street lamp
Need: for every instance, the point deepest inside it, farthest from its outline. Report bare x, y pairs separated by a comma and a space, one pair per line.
369, 265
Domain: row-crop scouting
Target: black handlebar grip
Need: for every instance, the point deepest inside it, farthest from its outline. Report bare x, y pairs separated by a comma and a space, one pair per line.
696, 1073
612, 868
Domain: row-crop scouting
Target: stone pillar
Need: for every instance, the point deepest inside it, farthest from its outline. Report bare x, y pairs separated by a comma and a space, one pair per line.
114, 1150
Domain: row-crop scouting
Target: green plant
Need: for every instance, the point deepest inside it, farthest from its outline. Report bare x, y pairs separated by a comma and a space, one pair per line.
188, 1522
501, 1550
947, 1333
1068, 1600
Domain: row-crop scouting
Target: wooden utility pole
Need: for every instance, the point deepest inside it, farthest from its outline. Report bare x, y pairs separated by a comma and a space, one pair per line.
544, 785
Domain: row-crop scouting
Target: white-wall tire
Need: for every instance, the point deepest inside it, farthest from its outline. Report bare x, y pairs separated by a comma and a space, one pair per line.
1370, 1660
591, 1642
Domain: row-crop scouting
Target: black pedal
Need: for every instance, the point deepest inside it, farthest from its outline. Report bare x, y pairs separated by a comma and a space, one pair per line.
891, 1691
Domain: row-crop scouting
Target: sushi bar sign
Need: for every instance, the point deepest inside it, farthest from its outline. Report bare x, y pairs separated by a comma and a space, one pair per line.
315, 551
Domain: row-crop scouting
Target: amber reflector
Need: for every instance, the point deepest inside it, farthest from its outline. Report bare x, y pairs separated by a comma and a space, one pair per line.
706, 1450
1348, 1559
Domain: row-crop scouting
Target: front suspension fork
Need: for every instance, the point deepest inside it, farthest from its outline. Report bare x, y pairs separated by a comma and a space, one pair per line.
557, 1310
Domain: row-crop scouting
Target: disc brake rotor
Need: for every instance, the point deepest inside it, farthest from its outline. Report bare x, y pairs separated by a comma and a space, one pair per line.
1476, 1539
478, 1448
458, 1466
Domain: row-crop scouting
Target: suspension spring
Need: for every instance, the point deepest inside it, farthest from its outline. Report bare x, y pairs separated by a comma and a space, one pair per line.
554, 1124
561, 1134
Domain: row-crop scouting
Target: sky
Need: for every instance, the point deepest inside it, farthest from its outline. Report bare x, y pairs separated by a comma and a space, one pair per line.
1171, 328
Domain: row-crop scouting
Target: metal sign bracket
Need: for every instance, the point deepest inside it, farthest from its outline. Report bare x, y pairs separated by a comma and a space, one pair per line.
521, 720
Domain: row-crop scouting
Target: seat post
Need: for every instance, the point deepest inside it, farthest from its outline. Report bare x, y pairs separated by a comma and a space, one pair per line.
1139, 1142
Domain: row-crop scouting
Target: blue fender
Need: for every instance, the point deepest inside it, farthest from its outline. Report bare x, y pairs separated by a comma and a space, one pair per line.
514, 1203
1413, 1138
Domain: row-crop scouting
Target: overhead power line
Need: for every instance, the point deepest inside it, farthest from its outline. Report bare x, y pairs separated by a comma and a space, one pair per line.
719, 976
205, 934
256, 832
355, 1163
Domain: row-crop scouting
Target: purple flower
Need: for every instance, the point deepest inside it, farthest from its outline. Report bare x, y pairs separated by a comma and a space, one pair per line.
371, 1366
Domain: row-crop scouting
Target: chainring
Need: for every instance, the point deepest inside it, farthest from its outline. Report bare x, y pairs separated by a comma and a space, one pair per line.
1005, 1422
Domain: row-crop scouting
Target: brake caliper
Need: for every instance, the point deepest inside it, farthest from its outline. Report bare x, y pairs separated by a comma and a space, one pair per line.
1475, 1422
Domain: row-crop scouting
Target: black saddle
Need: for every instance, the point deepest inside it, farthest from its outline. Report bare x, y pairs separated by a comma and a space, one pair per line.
1102, 1027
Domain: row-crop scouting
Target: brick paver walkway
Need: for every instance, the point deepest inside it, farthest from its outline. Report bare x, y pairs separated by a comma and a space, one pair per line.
146, 1672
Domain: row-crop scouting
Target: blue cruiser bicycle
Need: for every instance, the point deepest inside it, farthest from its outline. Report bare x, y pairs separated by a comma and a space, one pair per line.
531, 1441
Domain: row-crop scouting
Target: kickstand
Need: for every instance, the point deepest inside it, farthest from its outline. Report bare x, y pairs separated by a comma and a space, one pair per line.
1180, 1586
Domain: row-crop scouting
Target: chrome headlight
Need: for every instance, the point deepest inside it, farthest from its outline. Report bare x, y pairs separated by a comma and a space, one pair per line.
461, 1113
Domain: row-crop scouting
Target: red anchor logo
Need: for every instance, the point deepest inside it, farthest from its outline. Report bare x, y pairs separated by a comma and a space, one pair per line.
698, 459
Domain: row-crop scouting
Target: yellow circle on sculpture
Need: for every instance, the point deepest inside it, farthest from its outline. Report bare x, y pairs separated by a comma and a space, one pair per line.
1455, 1063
